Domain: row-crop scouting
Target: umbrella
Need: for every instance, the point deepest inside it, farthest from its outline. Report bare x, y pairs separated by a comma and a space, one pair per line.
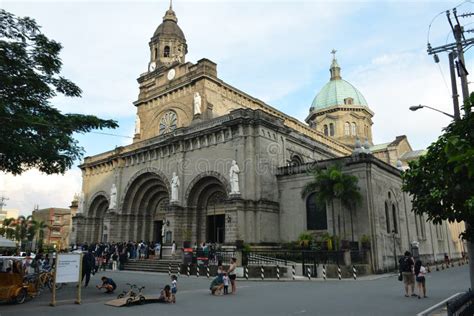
7, 243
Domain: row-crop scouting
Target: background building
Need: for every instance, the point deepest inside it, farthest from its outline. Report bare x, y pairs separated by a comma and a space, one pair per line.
59, 226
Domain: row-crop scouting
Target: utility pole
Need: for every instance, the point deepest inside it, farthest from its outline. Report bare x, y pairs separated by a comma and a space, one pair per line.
456, 50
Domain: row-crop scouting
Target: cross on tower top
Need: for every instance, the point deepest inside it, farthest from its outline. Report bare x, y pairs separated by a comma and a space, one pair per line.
333, 52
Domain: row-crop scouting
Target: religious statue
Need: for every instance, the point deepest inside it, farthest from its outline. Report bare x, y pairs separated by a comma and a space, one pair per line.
137, 124
174, 187
178, 56
197, 103
113, 197
81, 204
234, 178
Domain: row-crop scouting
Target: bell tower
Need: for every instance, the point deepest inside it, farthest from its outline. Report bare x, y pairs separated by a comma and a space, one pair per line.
168, 44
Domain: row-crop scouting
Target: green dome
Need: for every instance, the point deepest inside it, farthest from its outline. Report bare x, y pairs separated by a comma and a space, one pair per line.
334, 93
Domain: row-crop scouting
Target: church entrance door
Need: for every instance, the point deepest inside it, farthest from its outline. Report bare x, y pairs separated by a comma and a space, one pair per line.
216, 228
157, 231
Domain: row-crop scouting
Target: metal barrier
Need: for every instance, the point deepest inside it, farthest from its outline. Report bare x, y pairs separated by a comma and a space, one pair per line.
462, 305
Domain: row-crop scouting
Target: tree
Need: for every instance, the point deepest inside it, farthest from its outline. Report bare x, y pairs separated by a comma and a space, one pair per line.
332, 184
36, 231
33, 133
441, 182
7, 228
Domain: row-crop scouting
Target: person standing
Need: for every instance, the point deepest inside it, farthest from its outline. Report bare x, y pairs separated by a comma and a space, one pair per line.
407, 269
225, 278
88, 263
174, 287
420, 272
232, 274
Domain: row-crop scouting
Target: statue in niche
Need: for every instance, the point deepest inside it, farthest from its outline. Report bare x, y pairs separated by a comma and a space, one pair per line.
81, 204
113, 197
197, 103
234, 178
174, 187
137, 124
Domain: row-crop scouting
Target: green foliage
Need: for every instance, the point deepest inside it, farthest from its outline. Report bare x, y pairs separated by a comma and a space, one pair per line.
442, 182
365, 239
34, 134
332, 184
247, 248
306, 236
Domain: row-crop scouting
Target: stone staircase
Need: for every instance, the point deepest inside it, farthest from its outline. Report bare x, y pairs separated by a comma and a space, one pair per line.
153, 265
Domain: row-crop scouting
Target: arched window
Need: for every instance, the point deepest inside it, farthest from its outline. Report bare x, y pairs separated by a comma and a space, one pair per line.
166, 52
315, 214
387, 218
347, 129
395, 218
331, 129
354, 129
326, 132
296, 160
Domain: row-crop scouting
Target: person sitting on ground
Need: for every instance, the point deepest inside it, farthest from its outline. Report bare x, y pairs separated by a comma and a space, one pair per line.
165, 295
108, 284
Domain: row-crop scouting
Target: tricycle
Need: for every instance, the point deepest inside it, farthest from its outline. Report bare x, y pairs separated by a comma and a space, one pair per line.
15, 284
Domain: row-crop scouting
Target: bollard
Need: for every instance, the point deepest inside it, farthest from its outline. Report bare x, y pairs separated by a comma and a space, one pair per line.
339, 274
189, 270
452, 264
428, 267
179, 271
278, 272
309, 273
436, 263
324, 272
247, 272
169, 269
262, 273
207, 271
197, 271
293, 271
354, 272
442, 266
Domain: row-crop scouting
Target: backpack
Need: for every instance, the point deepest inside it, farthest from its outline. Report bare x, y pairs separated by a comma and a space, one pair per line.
405, 265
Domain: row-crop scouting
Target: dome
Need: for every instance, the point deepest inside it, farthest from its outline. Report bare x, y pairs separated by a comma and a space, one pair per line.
169, 27
334, 93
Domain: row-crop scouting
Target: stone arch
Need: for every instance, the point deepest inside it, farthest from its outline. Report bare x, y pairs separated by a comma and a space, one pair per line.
182, 112
96, 203
296, 160
146, 191
206, 199
140, 173
207, 174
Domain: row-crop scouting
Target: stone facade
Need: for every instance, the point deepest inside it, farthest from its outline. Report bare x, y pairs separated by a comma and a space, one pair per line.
272, 150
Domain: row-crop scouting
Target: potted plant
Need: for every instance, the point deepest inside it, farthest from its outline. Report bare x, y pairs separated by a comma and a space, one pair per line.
304, 239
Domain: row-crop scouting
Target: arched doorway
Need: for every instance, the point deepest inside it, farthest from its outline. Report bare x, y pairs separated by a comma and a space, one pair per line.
207, 200
145, 203
97, 211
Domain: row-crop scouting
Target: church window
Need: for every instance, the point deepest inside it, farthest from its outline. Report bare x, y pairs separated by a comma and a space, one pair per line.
331, 129
395, 218
166, 52
347, 129
387, 218
354, 129
168, 122
348, 101
156, 53
326, 132
316, 218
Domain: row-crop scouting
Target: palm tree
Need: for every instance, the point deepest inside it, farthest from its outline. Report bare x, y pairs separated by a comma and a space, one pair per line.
8, 230
36, 230
332, 184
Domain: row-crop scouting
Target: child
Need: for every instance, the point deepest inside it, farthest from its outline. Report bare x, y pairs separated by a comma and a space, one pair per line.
174, 288
420, 272
108, 284
225, 278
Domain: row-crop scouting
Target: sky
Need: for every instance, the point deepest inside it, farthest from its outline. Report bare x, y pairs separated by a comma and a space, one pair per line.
276, 51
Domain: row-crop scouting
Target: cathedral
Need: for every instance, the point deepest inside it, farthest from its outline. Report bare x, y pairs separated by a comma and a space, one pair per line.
209, 162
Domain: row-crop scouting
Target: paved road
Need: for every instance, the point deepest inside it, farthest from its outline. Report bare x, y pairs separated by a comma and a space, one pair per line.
380, 296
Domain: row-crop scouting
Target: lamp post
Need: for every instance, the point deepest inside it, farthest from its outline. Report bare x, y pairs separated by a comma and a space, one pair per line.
417, 107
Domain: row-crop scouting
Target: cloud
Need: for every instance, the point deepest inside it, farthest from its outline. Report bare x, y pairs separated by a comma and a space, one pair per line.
35, 188
392, 83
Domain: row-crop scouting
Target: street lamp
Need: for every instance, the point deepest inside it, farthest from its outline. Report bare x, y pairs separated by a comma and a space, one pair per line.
417, 107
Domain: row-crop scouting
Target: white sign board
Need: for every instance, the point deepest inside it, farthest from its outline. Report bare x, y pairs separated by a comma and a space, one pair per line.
67, 268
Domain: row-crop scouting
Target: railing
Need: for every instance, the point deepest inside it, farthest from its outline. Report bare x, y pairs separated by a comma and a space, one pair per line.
213, 257
288, 257
462, 305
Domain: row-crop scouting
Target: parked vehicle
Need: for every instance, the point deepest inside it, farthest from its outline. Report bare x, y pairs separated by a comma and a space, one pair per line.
15, 284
